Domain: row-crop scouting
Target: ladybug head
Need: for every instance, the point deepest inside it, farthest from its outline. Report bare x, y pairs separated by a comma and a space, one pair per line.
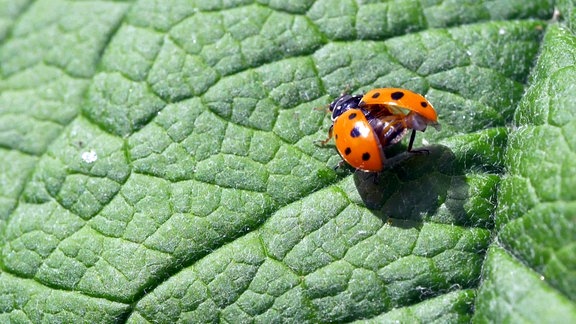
343, 103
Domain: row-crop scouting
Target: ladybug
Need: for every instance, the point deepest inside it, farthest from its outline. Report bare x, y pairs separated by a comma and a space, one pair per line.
360, 139
363, 125
401, 107
339, 106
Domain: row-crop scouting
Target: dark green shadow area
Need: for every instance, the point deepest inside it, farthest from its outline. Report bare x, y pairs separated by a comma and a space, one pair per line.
427, 186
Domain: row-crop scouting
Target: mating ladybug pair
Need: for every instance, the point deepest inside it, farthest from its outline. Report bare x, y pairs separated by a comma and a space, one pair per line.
363, 125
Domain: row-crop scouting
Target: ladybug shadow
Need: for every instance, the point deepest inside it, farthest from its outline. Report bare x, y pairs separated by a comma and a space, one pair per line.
416, 187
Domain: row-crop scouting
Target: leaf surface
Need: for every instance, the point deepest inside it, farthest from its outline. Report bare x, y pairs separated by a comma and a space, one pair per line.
159, 162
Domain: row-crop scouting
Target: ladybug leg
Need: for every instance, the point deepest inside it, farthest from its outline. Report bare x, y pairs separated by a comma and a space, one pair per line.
324, 142
339, 165
419, 151
325, 108
346, 90
330, 134
412, 137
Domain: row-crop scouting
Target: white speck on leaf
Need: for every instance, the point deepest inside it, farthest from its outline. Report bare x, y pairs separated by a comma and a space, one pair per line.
501, 31
89, 157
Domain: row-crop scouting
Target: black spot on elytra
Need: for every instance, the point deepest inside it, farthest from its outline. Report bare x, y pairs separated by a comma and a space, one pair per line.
366, 156
397, 95
347, 151
424, 104
336, 136
352, 116
376, 95
355, 132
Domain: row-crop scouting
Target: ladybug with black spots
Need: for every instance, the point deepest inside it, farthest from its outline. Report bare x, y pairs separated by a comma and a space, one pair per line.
363, 125
405, 107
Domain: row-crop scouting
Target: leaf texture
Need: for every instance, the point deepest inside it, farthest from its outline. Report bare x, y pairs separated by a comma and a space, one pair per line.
159, 162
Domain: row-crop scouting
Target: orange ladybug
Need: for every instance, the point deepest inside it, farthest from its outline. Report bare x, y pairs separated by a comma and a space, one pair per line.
401, 107
363, 125
360, 139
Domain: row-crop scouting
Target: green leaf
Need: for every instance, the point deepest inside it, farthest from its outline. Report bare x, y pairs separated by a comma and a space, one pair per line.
159, 162
535, 216
502, 299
